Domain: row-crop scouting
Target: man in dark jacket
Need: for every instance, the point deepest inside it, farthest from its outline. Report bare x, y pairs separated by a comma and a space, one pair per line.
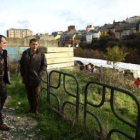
32, 67
4, 79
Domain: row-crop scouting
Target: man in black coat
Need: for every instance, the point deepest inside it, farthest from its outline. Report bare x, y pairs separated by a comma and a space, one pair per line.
32, 67
4, 79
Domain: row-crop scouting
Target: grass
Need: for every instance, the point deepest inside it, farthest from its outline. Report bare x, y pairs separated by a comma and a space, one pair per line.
50, 125
53, 127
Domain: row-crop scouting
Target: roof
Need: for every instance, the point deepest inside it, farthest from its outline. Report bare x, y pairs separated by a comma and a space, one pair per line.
18, 29
106, 27
126, 26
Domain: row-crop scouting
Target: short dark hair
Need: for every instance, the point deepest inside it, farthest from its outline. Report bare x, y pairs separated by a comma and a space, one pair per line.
33, 40
2, 36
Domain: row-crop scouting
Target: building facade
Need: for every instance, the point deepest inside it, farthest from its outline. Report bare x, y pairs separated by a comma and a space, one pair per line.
134, 19
19, 33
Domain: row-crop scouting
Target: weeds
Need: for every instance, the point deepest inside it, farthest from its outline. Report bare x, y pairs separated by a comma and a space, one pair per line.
53, 127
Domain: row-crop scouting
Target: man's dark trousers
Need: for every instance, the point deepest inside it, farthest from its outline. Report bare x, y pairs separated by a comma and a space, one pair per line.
3, 97
33, 93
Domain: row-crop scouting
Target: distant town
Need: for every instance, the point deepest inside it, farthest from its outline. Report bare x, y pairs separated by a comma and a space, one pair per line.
73, 37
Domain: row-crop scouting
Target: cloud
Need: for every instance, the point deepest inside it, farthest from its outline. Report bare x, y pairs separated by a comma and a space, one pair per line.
23, 24
75, 18
2, 24
56, 15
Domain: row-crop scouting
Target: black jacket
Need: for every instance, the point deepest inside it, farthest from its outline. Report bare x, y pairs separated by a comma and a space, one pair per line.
6, 77
32, 69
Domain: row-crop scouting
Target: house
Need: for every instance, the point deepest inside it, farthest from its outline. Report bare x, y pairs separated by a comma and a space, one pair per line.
125, 29
92, 34
19, 33
135, 19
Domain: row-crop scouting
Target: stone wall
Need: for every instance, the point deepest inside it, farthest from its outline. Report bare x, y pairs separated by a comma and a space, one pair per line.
25, 42
15, 46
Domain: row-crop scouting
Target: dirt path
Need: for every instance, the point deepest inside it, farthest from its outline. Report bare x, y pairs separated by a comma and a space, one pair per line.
22, 128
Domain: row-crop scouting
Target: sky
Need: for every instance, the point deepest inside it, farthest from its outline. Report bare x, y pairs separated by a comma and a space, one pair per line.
47, 16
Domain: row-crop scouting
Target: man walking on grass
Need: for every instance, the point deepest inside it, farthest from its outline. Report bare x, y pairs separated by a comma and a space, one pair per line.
32, 67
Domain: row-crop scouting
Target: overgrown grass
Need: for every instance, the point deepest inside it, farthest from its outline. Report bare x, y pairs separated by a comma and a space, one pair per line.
50, 125
53, 127
124, 105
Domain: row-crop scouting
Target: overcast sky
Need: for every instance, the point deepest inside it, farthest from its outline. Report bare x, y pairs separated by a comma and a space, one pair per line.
47, 16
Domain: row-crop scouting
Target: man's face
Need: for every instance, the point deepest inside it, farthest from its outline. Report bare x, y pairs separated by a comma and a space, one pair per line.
2, 44
34, 45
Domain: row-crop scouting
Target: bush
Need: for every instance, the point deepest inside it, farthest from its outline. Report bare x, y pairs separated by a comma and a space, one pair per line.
14, 66
88, 53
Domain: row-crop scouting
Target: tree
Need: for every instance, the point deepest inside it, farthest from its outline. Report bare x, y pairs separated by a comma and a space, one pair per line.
132, 41
115, 54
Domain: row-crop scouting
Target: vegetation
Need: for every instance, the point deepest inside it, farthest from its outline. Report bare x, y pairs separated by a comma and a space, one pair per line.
129, 44
115, 55
53, 127
50, 125
88, 53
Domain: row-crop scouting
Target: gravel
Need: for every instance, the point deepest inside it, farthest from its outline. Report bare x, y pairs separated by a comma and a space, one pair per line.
22, 128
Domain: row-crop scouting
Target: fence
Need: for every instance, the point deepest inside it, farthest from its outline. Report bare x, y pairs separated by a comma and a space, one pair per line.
61, 80
62, 76
112, 95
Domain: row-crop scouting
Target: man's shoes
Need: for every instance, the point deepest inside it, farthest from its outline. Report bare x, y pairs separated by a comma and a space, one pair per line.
32, 111
4, 127
29, 111
37, 113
